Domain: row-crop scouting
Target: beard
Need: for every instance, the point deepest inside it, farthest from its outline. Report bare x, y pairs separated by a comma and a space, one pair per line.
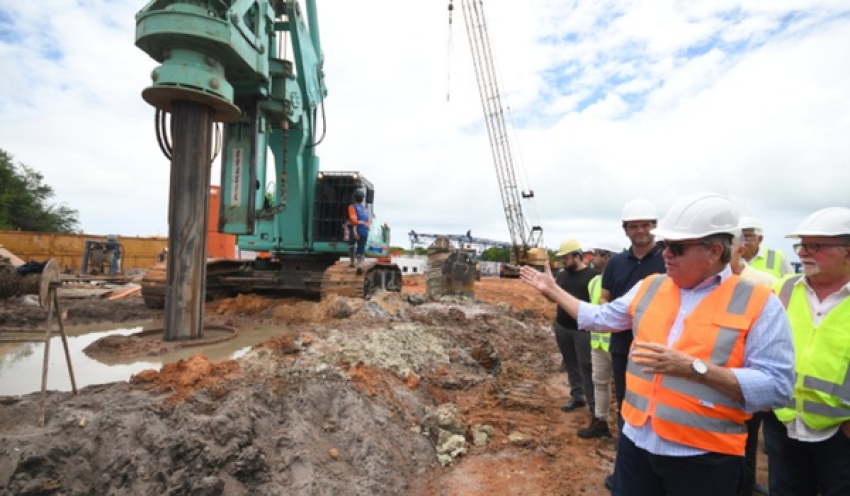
810, 270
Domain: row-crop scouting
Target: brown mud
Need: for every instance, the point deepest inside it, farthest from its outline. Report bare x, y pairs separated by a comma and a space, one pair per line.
399, 395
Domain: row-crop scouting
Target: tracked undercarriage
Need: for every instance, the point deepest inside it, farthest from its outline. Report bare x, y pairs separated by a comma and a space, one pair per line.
301, 276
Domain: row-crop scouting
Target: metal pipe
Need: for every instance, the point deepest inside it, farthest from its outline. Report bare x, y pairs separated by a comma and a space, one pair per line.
189, 193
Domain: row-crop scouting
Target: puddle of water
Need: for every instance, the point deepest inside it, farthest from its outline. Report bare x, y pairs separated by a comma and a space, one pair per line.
21, 363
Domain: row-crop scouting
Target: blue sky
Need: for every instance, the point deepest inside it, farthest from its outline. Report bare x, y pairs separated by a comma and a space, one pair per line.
610, 100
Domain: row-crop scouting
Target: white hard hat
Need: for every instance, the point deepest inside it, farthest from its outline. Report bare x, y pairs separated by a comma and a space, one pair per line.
832, 221
606, 243
697, 216
751, 223
568, 246
639, 209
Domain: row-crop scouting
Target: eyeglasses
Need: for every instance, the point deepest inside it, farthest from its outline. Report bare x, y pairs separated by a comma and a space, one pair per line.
602, 253
677, 248
812, 248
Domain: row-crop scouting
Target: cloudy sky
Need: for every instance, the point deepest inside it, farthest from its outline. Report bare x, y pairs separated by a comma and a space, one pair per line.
606, 101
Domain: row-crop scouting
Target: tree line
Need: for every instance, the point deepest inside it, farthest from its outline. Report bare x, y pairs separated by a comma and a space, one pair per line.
26, 201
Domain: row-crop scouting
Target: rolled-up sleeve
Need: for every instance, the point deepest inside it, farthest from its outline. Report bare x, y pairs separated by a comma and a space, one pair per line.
767, 378
610, 317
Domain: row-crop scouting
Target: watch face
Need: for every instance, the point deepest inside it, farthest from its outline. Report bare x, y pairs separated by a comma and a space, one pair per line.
700, 367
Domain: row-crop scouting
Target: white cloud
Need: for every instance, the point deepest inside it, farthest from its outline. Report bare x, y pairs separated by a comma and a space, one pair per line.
760, 112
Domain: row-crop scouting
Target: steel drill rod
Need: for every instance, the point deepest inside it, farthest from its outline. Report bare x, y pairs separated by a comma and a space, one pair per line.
188, 204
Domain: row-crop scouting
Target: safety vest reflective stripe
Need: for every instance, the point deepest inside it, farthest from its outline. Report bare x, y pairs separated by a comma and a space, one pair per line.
826, 410
787, 287
701, 422
643, 303
770, 263
681, 410
840, 390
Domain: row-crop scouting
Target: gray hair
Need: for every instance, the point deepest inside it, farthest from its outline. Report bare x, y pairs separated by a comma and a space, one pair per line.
725, 241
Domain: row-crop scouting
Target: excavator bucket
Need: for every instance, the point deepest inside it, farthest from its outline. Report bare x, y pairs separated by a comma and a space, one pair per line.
450, 271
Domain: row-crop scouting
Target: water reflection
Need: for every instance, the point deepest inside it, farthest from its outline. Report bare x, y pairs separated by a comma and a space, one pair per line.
20, 363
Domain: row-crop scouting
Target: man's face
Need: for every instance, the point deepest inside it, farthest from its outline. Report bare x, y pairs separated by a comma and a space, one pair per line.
600, 259
824, 255
752, 241
690, 261
570, 262
638, 232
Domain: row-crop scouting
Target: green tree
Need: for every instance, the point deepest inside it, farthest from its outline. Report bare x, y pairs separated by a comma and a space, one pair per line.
25, 201
496, 254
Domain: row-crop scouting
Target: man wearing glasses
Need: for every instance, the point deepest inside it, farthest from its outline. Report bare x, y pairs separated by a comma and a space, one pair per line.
709, 350
808, 441
773, 262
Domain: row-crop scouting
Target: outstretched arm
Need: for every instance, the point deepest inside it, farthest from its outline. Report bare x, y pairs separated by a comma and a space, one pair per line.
545, 283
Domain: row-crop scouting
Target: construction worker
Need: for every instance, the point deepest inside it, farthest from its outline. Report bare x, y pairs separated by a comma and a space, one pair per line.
358, 219
600, 358
573, 343
623, 271
764, 259
748, 483
709, 349
808, 441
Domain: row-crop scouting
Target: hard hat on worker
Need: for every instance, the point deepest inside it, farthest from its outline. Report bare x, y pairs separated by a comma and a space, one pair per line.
639, 209
832, 221
606, 243
359, 194
747, 222
697, 216
568, 246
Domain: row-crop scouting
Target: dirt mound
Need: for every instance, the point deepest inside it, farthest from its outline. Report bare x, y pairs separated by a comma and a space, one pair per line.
187, 376
376, 402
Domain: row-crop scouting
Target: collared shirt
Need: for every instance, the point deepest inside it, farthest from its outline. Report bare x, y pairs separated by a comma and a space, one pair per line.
766, 379
797, 429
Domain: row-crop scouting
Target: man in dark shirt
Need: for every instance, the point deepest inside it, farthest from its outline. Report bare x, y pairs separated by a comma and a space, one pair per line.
623, 271
574, 343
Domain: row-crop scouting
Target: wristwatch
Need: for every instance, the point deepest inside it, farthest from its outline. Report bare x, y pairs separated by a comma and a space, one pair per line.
698, 370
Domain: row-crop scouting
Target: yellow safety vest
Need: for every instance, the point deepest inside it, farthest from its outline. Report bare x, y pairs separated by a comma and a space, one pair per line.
598, 340
822, 360
770, 263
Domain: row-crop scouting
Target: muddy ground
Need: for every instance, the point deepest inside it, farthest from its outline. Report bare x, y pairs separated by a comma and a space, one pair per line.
398, 395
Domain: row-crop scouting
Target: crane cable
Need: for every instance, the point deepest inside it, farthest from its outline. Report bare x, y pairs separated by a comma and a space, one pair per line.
449, 55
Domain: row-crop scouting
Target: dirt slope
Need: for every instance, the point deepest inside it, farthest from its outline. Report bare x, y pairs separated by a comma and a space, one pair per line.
393, 396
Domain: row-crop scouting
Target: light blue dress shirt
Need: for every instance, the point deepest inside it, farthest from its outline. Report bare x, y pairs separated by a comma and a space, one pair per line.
766, 379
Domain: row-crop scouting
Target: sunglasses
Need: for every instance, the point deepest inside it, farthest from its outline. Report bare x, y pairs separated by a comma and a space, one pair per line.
812, 248
677, 248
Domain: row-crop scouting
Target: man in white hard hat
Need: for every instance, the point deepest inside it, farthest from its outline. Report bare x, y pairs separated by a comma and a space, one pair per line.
773, 262
808, 441
709, 350
749, 485
573, 343
623, 271
603, 249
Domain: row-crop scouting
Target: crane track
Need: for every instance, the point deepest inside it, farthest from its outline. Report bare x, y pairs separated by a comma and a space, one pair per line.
343, 280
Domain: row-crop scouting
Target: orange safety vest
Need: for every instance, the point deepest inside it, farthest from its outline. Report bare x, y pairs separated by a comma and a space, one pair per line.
685, 411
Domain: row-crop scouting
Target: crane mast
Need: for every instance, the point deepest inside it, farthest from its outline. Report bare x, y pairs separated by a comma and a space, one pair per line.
523, 236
